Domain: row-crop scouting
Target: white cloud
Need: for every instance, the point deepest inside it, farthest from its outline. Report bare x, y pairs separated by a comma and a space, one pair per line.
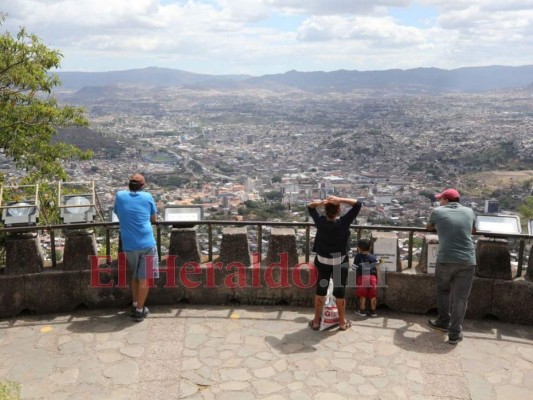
377, 30
248, 36
330, 7
245, 10
494, 5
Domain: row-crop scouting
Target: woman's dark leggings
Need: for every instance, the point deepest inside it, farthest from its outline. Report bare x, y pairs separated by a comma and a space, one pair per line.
339, 274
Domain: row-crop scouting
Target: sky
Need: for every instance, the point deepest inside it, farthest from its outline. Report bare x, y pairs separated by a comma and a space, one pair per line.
259, 37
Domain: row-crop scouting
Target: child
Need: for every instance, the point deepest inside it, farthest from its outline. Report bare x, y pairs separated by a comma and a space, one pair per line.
366, 278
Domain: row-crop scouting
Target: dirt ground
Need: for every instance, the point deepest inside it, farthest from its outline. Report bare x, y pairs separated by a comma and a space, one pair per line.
500, 179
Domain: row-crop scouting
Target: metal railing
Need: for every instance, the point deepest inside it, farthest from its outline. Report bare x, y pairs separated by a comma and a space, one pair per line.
109, 227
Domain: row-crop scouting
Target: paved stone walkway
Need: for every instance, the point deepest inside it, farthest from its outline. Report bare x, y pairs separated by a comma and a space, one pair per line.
200, 352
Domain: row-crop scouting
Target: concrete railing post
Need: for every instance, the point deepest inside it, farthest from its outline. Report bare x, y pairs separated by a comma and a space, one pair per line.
234, 247
493, 258
386, 247
79, 246
282, 244
184, 245
23, 254
280, 264
428, 256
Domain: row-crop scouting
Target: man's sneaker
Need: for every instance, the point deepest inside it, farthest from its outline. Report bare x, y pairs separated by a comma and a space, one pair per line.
455, 338
360, 313
133, 309
434, 324
373, 313
140, 315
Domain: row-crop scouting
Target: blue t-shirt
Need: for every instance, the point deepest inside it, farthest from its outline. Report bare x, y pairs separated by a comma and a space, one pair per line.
366, 264
134, 210
454, 224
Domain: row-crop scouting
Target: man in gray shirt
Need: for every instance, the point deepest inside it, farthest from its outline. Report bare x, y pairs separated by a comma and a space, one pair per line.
456, 259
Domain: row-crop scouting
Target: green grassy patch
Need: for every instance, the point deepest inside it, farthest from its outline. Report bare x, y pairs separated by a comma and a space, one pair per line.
9, 391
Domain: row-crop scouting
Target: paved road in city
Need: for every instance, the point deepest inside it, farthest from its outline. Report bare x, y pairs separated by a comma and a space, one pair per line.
206, 352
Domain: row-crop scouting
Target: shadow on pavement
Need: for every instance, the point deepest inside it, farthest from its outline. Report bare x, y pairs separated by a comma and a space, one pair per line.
421, 342
95, 323
302, 341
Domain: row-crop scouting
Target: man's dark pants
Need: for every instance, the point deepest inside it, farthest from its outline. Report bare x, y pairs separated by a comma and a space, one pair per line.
454, 281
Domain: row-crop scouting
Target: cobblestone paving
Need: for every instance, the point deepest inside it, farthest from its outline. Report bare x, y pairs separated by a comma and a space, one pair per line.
200, 352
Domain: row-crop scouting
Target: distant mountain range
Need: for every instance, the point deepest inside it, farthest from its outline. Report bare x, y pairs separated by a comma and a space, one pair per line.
417, 80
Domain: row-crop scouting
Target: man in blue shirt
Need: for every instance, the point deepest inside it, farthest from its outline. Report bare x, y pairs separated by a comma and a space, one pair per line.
136, 211
456, 260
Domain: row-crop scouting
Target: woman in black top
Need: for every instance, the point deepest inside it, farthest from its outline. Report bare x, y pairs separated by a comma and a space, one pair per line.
331, 248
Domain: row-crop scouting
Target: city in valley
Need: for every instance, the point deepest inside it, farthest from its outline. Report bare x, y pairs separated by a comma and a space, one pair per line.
262, 155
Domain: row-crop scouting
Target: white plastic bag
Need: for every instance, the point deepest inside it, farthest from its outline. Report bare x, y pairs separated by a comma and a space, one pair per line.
330, 313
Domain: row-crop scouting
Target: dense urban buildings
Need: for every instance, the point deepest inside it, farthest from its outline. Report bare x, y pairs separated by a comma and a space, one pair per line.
232, 152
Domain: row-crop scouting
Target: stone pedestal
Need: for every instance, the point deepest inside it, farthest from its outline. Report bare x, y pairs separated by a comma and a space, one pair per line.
493, 259
23, 254
281, 247
79, 246
184, 246
385, 246
280, 273
234, 247
427, 251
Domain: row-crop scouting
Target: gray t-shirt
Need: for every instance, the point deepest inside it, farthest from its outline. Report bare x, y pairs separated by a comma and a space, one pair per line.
454, 224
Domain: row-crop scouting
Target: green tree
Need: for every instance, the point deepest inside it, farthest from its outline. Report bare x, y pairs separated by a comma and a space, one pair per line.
428, 193
276, 179
29, 113
526, 208
251, 204
273, 195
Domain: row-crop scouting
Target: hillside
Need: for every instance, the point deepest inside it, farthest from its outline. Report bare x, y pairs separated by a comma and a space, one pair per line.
145, 77
88, 139
418, 80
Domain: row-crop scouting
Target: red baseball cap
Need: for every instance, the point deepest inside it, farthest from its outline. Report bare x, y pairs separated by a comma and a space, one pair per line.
449, 194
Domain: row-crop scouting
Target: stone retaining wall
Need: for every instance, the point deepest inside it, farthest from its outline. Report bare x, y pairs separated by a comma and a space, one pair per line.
63, 291
236, 277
